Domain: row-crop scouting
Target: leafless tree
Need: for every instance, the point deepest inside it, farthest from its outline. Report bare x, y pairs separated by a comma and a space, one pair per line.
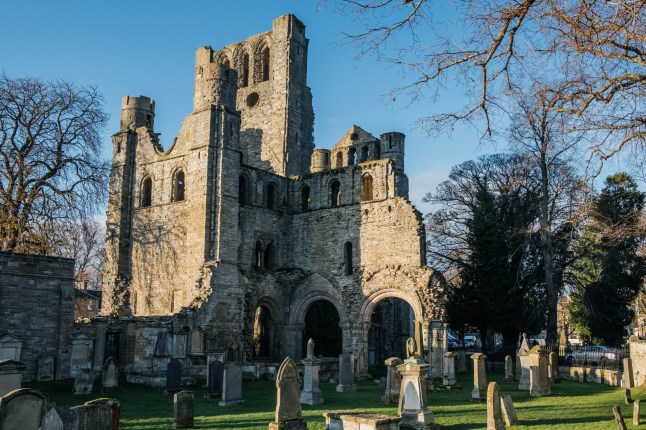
590, 53
51, 167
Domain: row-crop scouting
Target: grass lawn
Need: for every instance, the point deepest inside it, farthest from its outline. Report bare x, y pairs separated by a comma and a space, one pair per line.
572, 405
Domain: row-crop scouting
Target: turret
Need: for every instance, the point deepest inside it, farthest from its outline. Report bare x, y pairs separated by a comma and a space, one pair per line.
214, 83
392, 146
137, 112
320, 160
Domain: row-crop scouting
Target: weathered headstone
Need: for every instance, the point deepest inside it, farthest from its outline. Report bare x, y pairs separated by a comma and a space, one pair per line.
461, 358
231, 385
216, 372
449, 379
393, 380
438, 340
67, 415
553, 368
628, 398
522, 360
539, 384
311, 394
82, 353
413, 408
110, 378
479, 391
494, 410
173, 375
100, 414
628, 377
161, 345
51, 421
45, 369
346, 373
288, 406
636, 412
10, 375
84, 381
183, 411
22, 409
508, 411
509, 369
619, 419
197, 342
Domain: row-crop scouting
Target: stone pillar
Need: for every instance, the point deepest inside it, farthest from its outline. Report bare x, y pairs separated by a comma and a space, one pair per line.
628, 378
438, 346
509, 369
311, 394
479, 377
494, 410
413, 408
539, 384
448, 379
393, 380
99, 343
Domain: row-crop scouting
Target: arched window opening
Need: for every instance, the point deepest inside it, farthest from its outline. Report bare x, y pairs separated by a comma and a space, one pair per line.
364, 153
178, 186
270, 259
305, 198
226, 63
257, 257
262, 333
322, 325
244, 76
271, 196
339, 159
352, 153
243, 186
146, 192
347, 258
265, 63
391, 324
366, 190
335, 193
377, 150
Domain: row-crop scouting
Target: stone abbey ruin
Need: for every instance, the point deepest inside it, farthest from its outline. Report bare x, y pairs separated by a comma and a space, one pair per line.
242, 240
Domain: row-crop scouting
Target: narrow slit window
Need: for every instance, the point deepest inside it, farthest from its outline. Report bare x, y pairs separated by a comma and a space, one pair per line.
335, 193
243, 196
305, 198
178, 186
364, 153
366, 191
244, 76
265, 64
347, 258
271, 196
146, 192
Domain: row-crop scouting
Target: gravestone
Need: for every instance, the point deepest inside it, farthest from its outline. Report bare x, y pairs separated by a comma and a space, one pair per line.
479, 391
100, 414
216, 372
311, 394
461, 358
84, 381
82, 352
352, 420
45, 369
288, 406
539, 384
553, 368
393, 380
110, 380
508, 411
628, 378
231, 385
10, 347
619, 419
180, 339
522, 366
22, 409
183, 411
636, 412
173, 375
628, 397
52, 421
70, 421
509, 369
197, 342
494, 410
161, 346
518, 370
346, 373
448, 369
10, 375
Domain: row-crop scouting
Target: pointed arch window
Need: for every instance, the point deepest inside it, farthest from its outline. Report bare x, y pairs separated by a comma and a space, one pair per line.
178, 186
352, 153
146, 192
305, 198
258, 257
335, 193
366, 189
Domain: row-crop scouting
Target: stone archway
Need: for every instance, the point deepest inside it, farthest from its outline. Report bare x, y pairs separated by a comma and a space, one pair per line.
299, 322
266, 337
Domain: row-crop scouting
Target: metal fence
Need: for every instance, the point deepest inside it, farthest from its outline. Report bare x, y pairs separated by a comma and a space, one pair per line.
591, 356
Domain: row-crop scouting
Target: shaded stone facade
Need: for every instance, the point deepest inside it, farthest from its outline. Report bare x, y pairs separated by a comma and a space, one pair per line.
241, 213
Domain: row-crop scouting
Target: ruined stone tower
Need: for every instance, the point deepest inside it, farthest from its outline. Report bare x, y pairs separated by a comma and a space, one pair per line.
241, 226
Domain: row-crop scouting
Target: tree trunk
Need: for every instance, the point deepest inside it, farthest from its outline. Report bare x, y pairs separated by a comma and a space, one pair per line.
551, 338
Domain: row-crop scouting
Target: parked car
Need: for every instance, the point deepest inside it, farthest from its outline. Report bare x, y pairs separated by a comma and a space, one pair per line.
595, 355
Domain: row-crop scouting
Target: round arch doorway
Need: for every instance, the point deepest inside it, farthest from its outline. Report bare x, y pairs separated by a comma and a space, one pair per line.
322, 325
391, 324
263, 335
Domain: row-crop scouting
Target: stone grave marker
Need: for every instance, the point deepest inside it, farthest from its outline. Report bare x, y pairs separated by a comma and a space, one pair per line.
183, 410
100, 414
508, 411
197, 342
70, 421
110, 379
10, 375
539, 384
461, 358
494, 410
173, 375
628, 398
288, 406
45, 369
619, 419
231, 385
360, 421
413, 407
636, 412
22, 409
479, 391
82, 352
84, 381
311, 394
393, 380
509, 369
346, 373
216, 372
52, 421
628, 377
553, 368
522, 365
448, 369
10, 347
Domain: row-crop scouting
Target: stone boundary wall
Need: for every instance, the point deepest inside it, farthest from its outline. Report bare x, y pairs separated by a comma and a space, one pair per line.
37, 306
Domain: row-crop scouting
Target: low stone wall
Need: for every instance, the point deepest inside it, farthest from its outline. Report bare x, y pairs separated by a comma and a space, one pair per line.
591, 374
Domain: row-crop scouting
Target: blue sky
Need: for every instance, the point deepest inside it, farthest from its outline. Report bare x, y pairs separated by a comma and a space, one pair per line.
148, 48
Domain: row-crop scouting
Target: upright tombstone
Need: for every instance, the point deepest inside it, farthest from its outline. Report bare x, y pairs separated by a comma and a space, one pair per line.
45, 370
10, 347
448, 369
539, 384
628, 377
52, 421
99, 414
311, 394
173, 375
508, 411
84, 382
494, 410
183, 410
10, 375
479, 391
346, 373
554, 375
231, 385
22, 409
461, 358
563, 343
393, 380
523, 362
509, 369
288, 406
82, 353
216, 373
110, 379
438, 341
